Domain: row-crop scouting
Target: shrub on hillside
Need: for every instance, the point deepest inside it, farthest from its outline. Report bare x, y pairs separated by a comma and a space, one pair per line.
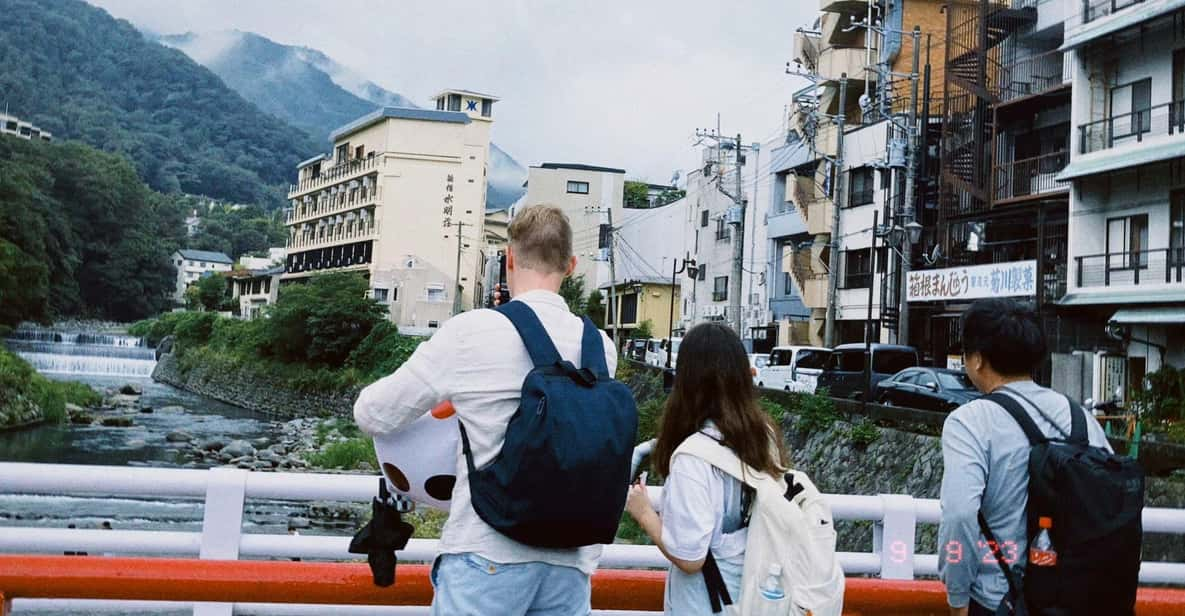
18, 381
382, 351
321, 321
194, 328
815, 411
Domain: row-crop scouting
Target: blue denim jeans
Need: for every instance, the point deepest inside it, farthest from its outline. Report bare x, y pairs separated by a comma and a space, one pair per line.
469, 585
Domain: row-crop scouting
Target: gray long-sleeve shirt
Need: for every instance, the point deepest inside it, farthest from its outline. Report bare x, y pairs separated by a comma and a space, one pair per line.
985, 457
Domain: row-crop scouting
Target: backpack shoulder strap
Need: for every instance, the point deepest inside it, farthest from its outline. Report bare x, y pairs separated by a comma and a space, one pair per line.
1020, 415
713, 452
1077, 423
592, 350
539, 345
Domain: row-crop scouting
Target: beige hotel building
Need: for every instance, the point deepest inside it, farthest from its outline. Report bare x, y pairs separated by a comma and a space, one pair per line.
390, 201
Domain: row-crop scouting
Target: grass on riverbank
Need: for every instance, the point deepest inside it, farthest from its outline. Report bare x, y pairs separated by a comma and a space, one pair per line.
21, 384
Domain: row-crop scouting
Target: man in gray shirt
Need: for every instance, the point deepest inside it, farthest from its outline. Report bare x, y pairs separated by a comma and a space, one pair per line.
985, 453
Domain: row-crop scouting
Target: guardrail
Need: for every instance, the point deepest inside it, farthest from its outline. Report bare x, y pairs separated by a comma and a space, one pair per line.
1132, 127
1132, 268
895, 518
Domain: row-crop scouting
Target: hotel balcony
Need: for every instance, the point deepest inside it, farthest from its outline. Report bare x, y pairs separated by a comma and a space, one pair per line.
338, 173
1033, 76
1090, 20
340, 233
1157, 123
318, 207
836, 61
810, 276
1030, 177
1144, 268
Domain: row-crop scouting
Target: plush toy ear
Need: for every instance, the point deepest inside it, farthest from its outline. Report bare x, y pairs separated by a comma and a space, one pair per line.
440, 487
396, 477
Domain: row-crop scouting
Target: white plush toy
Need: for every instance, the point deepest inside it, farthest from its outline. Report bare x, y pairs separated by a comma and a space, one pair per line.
420, 461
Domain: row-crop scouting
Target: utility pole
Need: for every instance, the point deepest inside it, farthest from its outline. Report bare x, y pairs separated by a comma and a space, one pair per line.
837, 201
911, 179
735, 217
616, 318
460, 225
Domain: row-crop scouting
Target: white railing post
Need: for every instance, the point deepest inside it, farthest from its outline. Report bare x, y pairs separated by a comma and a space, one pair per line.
893, 537
222, 525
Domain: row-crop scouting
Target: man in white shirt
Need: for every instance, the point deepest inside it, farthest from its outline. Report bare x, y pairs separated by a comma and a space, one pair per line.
478, 362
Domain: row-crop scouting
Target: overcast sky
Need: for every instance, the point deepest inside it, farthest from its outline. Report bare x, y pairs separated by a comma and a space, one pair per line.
615, 83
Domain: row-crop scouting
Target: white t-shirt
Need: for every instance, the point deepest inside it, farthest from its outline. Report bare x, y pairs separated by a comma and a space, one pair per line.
701, 510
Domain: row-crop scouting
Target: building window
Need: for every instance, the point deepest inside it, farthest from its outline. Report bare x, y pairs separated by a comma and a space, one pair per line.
703, 218
720, 289
1127, 242
722, 234
436, 294
629, 309
577, 188
787, 284
454, 102
861, 186
487, 107
343, 153
703, 272
1177, 230
1131, 106
360, 152
433, 324
380, 295
857, 269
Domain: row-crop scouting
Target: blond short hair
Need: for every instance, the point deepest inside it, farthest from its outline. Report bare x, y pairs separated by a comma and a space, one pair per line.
542, 239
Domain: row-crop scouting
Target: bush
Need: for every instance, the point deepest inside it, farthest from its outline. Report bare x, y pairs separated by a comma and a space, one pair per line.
1164, 398
155, 330
382, 351
80, 394
19, 381
864, 433
321, 321
193, 329
649, 418
815, 411
346, 454
775, 410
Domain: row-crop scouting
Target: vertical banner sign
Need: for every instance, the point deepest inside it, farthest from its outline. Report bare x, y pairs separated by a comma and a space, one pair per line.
1016, 278
447, 210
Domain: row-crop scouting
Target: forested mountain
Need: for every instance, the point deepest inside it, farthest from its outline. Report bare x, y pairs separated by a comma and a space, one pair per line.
80, 234
307, 89
74, 70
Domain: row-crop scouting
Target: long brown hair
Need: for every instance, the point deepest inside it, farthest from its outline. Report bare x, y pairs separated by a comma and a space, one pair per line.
713, 381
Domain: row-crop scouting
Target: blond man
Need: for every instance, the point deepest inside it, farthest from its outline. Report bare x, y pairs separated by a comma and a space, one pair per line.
478, 361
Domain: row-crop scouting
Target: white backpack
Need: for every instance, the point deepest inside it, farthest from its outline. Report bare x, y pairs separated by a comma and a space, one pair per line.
796, 534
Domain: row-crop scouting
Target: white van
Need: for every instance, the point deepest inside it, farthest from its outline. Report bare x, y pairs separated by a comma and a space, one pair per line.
794, 368
656, 352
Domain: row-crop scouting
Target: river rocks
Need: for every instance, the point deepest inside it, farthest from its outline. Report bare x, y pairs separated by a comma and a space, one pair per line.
146, 410
212, 444
136, 443
117, 422
123, 401
72, 408
261, 442
131, 389
81, 418
299, 522
172, 408
237, 448
178, 437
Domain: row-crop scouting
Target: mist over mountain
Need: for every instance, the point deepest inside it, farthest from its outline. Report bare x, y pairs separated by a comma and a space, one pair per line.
313, 92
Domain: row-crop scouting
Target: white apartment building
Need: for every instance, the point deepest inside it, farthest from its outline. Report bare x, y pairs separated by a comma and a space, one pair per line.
649, 247
275, 256
12, 125
585, 193
708, 238
1126, 253
193, 264
399, 198
255, 289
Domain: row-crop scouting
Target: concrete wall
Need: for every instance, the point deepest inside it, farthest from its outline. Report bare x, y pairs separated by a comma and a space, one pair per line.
585, 212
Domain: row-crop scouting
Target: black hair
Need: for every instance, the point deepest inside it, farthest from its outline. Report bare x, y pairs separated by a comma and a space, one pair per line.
1006, 333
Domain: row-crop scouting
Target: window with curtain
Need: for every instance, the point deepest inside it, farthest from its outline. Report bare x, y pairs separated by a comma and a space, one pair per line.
862, 184
720, 289
1130, 108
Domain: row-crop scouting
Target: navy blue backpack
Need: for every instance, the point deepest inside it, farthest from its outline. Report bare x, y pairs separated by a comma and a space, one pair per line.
561, 478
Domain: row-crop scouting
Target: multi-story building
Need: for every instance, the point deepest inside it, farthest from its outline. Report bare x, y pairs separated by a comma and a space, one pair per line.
255, 289
649, 249
585, 193
193, 264
1125, 253
708, 237
873, 64
12, 125
401, 199
275, 256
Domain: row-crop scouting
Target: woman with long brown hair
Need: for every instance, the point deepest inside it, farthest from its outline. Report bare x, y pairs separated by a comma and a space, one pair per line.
704, 510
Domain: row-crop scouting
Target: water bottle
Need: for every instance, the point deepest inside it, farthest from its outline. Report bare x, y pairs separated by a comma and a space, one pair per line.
1041, 552
772, 598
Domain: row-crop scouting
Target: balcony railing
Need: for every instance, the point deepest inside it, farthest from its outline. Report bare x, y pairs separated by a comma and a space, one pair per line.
321, 207
335, 173
1146, 267
1030, 176
1134, 126
1094, 9
357, 232
1033, 75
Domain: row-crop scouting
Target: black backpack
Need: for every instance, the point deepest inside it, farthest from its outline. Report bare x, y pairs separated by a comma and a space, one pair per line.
1095, 499
562, 476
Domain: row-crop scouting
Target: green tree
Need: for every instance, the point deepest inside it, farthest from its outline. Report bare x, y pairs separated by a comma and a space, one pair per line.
210, 291
572, 290
637, 194
24, 286
594, 308
644, 330
321, 321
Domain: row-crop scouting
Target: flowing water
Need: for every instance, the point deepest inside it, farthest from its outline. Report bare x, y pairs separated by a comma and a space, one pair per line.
110, 361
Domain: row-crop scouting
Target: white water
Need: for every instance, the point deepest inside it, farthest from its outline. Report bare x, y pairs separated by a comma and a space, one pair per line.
83, 353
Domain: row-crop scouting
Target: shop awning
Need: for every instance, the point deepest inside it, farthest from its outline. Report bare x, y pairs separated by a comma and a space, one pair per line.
1162, 315
1125, 296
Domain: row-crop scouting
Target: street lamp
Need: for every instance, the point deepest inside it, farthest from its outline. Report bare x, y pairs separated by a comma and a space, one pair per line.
689, 266
894, 237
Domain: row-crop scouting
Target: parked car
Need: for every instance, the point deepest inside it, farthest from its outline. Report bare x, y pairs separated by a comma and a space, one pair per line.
793, 368
636, 349
929, 389
656, 352
757, 361
844, 375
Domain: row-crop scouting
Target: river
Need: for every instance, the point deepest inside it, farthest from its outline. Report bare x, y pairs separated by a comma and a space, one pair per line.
103, 361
